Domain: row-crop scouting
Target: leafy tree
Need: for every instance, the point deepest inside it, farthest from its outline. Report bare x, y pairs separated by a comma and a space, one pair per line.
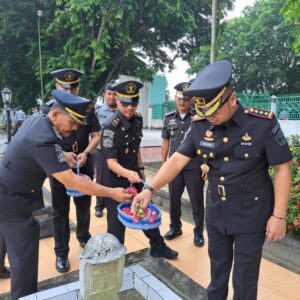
127, 36
19, 63
259, 46
291, 12
101, 38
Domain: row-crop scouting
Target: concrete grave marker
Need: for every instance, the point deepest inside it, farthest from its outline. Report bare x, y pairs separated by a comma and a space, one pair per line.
101, 268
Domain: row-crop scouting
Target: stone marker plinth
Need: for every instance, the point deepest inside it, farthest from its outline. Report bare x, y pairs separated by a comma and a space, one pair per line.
101, 268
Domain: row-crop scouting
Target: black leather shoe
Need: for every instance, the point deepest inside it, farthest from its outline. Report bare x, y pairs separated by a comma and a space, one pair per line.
199, 240
163, 251
99, 213
5, 273
82, 244
172, 234
62, 264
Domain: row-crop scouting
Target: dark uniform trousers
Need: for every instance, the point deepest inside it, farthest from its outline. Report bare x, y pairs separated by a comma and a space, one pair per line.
2, 252
247, 256
102, 173
23, 260
192, 179
61, 209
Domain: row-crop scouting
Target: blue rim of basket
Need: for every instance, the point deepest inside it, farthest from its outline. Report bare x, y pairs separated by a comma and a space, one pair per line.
142, 225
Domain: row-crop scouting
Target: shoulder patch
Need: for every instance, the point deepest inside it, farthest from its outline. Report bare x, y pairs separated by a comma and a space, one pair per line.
259, 112
115, 122
138, 114
90, 108
170, 113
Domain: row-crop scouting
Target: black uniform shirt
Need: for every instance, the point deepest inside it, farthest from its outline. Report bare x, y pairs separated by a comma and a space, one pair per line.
121, 138
33, 153
174, 129
79, 139
240, 193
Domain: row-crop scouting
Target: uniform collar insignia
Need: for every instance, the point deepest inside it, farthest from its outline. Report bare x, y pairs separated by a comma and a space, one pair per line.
246, 137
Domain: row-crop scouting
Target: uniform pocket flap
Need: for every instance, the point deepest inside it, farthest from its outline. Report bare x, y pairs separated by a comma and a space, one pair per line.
245, 152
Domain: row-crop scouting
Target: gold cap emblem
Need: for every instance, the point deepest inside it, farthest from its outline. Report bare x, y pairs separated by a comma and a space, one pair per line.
130, 88
69, 76
185, 86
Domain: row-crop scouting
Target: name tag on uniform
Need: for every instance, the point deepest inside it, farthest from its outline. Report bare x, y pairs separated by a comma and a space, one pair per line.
207, 144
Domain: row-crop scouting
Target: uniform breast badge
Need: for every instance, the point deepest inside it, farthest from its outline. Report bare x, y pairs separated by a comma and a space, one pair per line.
246, 137
209, 136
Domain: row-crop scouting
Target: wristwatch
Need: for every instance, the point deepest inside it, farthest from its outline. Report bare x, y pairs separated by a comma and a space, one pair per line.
148, 187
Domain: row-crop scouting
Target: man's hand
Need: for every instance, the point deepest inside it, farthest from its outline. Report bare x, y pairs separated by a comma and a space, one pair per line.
133, 177
82, 157
144, 197
120, 195
71, 159
276, 229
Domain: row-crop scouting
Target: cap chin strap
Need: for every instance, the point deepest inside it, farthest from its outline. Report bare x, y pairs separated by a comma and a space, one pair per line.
127, 96
67, 82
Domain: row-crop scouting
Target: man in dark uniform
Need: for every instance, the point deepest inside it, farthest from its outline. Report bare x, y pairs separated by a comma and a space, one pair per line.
103, 113
34, 153
120, 142
77, 147
174, 129
242, 208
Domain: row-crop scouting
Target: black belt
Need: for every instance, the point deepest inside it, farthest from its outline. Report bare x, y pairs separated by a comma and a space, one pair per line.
225, 190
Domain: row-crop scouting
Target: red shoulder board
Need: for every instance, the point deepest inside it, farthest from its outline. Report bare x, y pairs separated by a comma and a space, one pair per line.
260, 113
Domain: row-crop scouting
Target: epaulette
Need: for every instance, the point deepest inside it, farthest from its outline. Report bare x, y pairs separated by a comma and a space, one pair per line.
138, 114
196, 118
260, 113
170, 113
115, 122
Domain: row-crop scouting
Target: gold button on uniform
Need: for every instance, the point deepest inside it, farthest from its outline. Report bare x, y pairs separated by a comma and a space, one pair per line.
182, 122
223, 198
204, 155
226, 158
246, 155
198, 151
211, 154
181, 132
256, 198
222, 178
225, 139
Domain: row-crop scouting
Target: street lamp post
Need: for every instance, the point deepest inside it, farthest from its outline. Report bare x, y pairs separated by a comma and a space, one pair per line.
40, 13
6, 97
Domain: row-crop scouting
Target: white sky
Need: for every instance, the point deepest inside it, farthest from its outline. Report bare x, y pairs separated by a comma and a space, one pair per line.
178, 74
